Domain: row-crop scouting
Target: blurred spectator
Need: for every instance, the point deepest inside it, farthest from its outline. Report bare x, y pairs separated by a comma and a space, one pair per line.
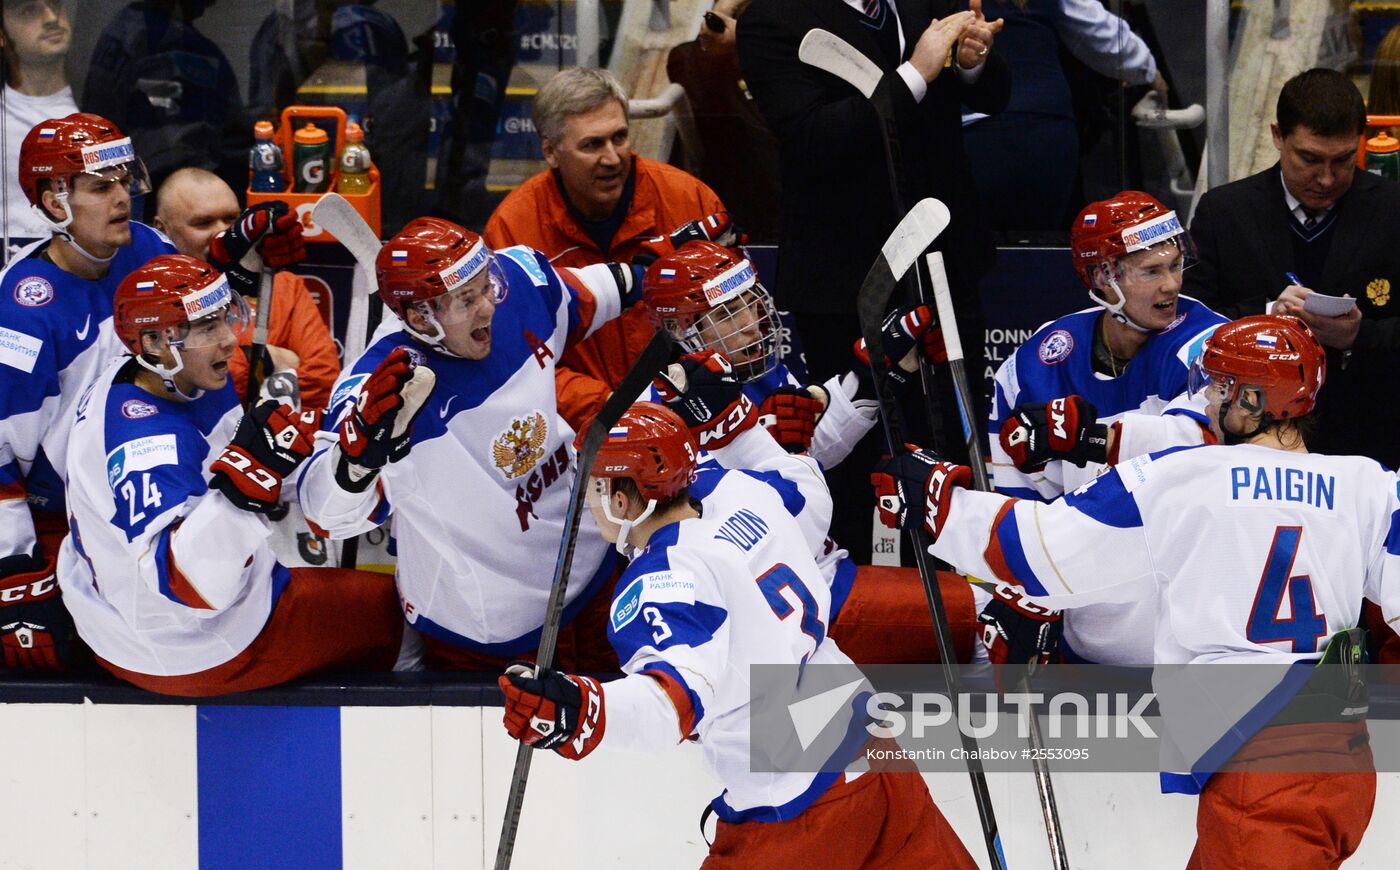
1028, 154
171, 89
837, 207
1312, 215
739, 154
34, 42
194, 205
288, 46
1385, 76
597, 202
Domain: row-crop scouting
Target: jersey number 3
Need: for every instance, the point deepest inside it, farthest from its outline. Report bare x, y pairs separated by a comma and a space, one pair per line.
1305, 625
781, 577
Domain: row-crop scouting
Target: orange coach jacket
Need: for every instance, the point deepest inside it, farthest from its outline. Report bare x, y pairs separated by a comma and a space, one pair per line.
534, 214
296, 324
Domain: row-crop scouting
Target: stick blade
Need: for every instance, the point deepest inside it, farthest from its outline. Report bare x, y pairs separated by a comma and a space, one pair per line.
828, 52
336, 215
924, 223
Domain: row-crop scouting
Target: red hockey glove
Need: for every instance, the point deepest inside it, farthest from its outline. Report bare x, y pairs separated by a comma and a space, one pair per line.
904, 331
1066, 428
272, 228
269, 444
379, 428
702, 389
555, 711
917, 487
1017, 630
717, 228
36, 632
790, 415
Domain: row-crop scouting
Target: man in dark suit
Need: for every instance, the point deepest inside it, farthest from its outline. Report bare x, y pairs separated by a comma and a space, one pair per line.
1313, 216
837, 207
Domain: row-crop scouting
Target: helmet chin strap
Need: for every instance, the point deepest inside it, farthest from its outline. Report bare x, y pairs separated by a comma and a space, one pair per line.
1115, 309
61, 229
625, 525
435, 341
167, 376
1232, 438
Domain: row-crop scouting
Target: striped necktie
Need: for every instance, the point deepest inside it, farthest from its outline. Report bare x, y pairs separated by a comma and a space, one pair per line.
874, 9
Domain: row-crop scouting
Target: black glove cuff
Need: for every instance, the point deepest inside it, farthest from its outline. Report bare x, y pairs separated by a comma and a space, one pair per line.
346, 481
1094, 447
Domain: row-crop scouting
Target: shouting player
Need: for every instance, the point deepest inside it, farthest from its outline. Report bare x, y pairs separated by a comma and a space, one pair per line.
168, 571
710, 299
723, 578
1219, 536
479, 482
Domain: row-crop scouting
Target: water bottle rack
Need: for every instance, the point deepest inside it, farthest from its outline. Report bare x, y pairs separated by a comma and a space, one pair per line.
332, 119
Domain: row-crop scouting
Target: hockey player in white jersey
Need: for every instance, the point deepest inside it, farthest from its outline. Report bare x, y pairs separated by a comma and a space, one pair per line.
710, 299
1255, 551
723, 578
1063, 399
79, 174
478, 486
168, 572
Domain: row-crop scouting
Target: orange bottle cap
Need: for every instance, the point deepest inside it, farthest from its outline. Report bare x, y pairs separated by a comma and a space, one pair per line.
263, 130
353, 133
311, 135
1383, 143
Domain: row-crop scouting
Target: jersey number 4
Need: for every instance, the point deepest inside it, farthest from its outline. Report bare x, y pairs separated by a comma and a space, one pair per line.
1305, 625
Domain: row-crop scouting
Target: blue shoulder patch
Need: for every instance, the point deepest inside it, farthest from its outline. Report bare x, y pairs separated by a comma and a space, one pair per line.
528, 261
626, 606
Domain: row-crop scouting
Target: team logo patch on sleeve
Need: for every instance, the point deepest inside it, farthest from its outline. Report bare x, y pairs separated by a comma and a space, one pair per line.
627, 605
135, 409
33, 292
525, 259
1056, 346
521, 446
346, 389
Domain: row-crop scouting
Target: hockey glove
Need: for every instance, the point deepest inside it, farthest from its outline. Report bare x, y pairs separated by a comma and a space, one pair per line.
555, 711
269, 444
36, 632
903, 332
917, 488
790, 415
1066, 428
267, 234
379, 426
1017, 631
702, 389
717, 228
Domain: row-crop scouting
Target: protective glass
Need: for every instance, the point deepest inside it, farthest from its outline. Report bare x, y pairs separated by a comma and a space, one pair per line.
132, 175
459, 305
213, 329
744, 329
1204, 386
1158, 263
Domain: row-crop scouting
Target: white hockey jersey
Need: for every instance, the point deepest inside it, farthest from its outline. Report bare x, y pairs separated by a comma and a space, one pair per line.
1251, 554
479, 503
163, 576
1057, 361
56, 337
710, 596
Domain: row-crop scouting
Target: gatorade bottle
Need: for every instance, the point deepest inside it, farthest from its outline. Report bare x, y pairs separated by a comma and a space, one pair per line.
311, 151
265, 161
1383, 155
354, 162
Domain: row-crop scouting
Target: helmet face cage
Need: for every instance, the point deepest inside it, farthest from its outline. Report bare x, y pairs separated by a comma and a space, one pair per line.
743, 328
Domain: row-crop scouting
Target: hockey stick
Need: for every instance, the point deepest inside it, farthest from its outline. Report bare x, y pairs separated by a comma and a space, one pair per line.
257, 372
952, 341
336, 215
651, 360
911, 237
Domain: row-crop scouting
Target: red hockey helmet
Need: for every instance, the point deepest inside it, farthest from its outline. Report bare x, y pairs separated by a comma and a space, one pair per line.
710, 298
58, 149
1109, 229
180, 297
652, 446
429, 259
1275, 354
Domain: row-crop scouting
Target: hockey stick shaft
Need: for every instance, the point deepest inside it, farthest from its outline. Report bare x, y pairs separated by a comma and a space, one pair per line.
651, 360
871, 302
952, 342
257, 371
